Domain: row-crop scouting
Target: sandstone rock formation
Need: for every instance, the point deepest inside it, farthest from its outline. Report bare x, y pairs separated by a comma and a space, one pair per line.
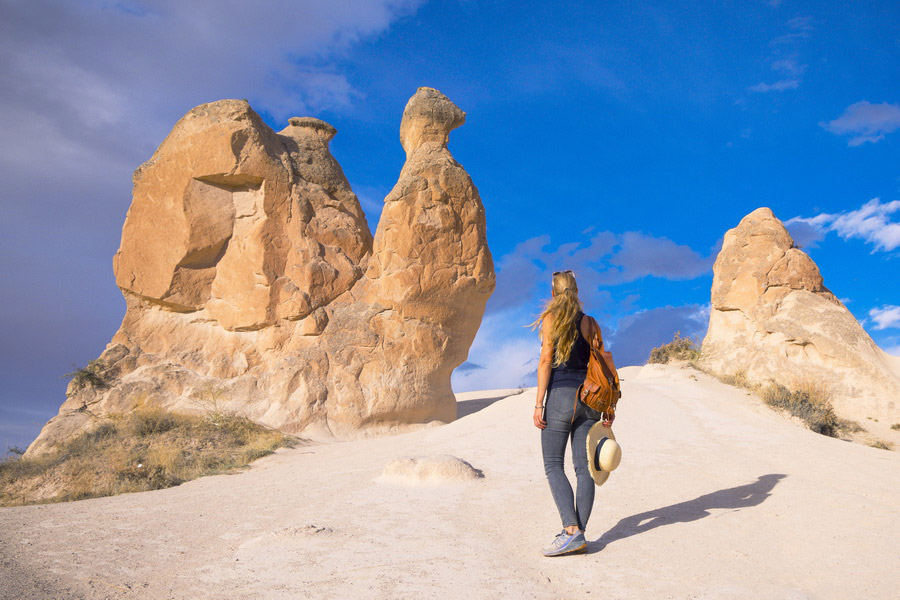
773, 318
252, 281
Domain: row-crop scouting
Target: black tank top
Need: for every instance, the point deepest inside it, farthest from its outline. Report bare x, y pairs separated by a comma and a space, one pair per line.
575, 366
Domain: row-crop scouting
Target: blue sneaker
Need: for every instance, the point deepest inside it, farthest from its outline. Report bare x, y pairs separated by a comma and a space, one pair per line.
566, 543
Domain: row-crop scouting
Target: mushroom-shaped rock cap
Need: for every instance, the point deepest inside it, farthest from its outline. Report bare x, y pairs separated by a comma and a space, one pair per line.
429, 116
304, 125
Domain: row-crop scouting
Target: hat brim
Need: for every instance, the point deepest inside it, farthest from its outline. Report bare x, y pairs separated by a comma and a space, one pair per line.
596, 433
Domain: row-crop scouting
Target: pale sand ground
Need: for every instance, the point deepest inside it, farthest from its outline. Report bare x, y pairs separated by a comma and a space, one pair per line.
716, 497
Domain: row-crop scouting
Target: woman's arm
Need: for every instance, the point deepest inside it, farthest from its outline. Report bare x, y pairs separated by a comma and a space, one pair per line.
545, 366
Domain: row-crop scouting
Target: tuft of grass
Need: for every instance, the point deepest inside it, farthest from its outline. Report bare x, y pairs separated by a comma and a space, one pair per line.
146, 449
881, 445
895, 426
680, 348
812, 405
737, 379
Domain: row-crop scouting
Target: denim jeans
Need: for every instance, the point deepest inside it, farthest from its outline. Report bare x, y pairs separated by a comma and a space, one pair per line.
561, 427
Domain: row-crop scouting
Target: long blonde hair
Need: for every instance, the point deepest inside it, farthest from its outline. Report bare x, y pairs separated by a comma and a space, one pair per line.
564, 306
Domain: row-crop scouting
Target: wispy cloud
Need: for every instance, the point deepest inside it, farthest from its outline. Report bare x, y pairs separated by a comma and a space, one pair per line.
786, 64
778, 86
885, 317
865, 122
871, 222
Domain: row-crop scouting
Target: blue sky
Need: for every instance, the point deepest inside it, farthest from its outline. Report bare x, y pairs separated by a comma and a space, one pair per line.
618, 139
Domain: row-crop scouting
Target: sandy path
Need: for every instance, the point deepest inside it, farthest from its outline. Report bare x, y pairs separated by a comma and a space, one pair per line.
716, 497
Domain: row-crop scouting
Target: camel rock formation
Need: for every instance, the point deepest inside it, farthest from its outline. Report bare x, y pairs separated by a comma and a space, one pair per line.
772, 317
252, 282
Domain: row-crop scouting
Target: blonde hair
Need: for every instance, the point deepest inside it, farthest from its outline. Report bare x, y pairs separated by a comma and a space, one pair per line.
564, 306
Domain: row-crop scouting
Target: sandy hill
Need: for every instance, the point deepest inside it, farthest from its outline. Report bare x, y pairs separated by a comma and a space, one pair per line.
716, 497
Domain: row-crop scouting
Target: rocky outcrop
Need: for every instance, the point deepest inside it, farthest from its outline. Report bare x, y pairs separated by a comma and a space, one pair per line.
773, 318
253, 284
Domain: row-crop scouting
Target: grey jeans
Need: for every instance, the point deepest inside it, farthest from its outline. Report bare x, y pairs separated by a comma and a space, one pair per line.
561, 427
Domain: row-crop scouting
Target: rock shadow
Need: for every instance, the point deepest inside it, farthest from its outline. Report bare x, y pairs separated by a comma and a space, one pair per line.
742, 496
464, 408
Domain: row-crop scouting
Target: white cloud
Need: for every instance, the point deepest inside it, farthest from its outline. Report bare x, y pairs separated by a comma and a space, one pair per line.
871, 223
503, 355
640, 255
505, 352
607, 259
637, 334
106, 80
865, 122
885, 317
894, 350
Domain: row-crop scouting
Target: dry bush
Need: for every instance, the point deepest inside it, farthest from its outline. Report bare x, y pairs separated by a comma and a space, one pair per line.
810, 403
895, 426
881, 445
145, 449
738, 379
680, 348
93, 375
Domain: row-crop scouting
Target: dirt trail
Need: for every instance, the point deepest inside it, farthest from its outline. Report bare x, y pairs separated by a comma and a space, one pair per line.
716, 497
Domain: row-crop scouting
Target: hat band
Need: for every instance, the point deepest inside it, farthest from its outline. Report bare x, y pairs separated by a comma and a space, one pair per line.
597, 454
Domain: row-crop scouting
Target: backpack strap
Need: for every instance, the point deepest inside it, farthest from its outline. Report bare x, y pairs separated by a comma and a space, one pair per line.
600, 354
595, 338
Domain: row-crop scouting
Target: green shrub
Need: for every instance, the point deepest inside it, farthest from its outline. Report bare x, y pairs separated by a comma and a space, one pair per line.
680, 348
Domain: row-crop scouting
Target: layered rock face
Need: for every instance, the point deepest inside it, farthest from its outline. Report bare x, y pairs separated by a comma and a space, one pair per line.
252, 281
773, 318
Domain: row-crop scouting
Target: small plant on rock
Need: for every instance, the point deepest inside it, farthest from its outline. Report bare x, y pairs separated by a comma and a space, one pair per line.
92, 375
680, 348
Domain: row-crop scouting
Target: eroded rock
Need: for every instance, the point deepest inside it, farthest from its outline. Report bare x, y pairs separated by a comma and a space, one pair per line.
252, 282
772, 318
441, 468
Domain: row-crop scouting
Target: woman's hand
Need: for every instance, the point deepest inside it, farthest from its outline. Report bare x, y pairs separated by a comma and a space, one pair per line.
539, 422
609, 420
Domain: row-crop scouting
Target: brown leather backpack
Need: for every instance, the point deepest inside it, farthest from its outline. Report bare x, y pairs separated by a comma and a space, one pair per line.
600, 390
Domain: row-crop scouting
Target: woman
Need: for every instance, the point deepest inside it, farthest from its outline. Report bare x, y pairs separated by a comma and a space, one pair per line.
562, 368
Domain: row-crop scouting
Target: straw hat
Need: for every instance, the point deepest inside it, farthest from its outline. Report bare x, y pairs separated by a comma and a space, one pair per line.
603, 452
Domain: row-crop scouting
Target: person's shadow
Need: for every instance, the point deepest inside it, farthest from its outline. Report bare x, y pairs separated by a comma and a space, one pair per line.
742, 496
